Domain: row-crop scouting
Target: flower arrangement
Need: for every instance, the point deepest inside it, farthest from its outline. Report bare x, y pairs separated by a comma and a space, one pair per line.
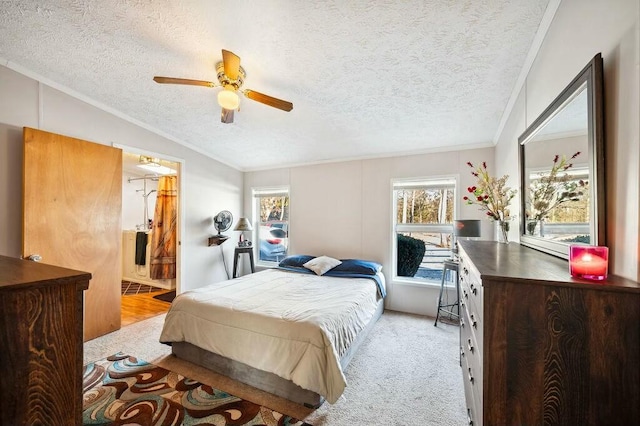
492, 195
554, 188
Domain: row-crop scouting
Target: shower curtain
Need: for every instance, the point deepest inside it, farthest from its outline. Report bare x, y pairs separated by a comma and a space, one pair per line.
163, 238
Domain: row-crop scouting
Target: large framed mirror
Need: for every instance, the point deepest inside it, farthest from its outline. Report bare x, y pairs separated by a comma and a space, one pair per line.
562, 181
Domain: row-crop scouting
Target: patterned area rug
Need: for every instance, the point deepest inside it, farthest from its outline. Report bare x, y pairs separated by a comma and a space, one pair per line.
124, 390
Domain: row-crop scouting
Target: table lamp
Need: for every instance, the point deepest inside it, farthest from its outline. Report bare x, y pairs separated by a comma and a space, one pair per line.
468, 228
243, 224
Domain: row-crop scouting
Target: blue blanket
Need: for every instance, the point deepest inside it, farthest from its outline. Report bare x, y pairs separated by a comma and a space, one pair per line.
381, 289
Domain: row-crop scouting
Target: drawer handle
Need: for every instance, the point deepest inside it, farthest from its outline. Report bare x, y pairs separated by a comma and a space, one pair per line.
462, 322
466, 295
471, 379
470, 346
474, 323
465, 270
474, 290
462, 354
469, 419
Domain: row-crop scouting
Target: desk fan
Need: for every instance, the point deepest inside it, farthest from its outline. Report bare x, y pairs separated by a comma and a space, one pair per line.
222, 222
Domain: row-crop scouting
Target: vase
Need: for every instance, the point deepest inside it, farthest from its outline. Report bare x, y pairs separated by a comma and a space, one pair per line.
534, 227
502, 231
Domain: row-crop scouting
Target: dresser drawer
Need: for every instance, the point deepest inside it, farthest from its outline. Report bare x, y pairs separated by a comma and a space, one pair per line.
472, 415
471, 319
470, 284
472, 391
469, 348
472, 373
468, 337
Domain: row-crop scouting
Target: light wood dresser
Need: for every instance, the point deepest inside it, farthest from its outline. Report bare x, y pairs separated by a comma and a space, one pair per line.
538, 347
40, 343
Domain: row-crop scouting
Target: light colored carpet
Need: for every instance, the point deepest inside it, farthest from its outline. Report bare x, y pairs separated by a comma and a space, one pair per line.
406, 373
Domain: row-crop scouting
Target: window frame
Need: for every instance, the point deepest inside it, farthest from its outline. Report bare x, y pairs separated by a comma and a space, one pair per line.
256, 194
424, 182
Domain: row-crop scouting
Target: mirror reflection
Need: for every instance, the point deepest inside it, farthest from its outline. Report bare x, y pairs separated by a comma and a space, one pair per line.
562, 179
556, 175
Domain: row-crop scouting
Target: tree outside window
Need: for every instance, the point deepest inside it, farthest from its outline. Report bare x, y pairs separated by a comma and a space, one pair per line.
424, 211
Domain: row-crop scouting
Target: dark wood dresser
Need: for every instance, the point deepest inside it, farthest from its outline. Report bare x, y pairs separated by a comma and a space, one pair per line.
541, 348
40, 343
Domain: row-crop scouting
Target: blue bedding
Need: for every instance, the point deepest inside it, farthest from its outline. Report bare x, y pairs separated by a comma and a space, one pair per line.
340, 274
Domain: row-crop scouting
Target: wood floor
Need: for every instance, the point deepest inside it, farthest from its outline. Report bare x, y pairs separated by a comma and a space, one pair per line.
142, 306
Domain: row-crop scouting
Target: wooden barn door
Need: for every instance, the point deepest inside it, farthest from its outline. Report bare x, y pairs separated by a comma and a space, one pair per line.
72, 209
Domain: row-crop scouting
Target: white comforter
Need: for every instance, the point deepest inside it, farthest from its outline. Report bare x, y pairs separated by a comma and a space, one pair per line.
294, 325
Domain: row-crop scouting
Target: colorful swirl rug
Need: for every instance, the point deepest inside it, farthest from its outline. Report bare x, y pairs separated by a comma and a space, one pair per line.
124, 390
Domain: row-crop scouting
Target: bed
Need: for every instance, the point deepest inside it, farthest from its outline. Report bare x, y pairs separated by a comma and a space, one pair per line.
289, 331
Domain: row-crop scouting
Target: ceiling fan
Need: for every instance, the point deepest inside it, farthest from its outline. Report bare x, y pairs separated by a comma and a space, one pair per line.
231, 77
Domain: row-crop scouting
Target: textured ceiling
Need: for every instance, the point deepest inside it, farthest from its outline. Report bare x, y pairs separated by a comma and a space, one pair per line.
366, 78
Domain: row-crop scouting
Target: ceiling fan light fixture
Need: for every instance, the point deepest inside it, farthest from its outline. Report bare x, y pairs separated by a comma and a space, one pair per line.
228, 99
231, 78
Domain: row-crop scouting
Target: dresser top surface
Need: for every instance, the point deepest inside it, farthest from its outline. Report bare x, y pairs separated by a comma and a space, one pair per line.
17, 272
514, 262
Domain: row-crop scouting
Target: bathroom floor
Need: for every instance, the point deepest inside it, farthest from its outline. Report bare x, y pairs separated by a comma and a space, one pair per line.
129, 288
138, 302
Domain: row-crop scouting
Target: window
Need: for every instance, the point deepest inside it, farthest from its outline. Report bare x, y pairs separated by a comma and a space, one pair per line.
423, 214
558, 205
271, 208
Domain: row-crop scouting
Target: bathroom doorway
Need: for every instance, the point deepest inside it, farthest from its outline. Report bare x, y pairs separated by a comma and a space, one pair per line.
145, 174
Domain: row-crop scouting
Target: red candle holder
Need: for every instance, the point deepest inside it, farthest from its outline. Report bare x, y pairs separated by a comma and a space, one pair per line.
589, 262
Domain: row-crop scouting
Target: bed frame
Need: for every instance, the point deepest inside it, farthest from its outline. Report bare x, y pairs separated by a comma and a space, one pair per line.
264, 380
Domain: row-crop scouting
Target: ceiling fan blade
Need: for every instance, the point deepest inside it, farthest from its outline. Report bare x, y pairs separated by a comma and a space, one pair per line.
231, 64
226, 116
268, 100
172, 80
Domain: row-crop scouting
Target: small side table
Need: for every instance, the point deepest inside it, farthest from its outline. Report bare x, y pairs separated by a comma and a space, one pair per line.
239, 251
449, 265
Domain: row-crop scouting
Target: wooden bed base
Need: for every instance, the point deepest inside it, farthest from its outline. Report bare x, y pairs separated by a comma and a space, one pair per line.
264, 380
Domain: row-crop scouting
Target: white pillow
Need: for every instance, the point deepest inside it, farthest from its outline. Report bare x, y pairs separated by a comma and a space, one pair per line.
321, 265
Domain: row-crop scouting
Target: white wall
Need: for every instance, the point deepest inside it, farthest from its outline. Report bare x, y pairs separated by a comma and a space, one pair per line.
344, 210
210, 185
133, 201
579, 30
